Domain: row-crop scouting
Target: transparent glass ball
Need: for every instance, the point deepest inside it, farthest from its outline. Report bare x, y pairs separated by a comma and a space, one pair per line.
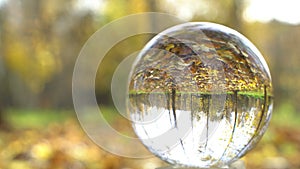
200, 95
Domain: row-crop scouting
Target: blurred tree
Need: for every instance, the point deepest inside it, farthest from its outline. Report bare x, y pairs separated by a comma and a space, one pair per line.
4, 87
26, 48
227, 12
40, 40
283, 49
40, 43
116, 9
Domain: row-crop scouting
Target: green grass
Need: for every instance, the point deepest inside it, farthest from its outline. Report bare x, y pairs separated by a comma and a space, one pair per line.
35, 118
110, 113
39, 118
255, 94
283, 115
286, 115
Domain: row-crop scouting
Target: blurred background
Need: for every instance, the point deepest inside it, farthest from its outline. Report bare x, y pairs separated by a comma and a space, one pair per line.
41, 39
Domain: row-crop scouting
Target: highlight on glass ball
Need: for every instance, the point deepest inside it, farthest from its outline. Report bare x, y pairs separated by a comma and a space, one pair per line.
200, 95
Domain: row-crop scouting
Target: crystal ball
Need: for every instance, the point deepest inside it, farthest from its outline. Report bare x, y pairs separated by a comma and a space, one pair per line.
200, 95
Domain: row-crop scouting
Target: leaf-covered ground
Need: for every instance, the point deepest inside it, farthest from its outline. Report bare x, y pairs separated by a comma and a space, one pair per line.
55, 140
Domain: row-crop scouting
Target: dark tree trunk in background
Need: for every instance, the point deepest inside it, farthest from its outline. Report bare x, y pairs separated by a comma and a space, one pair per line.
236, 12
4, 85
4, 100
3, 124
3, 92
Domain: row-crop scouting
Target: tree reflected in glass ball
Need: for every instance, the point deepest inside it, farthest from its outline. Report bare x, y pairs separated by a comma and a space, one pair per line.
200, 95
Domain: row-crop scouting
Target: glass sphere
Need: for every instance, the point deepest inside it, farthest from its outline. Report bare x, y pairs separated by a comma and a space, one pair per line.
200, 95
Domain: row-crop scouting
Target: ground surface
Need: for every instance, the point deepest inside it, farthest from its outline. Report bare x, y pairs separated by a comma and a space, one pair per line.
54, 140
